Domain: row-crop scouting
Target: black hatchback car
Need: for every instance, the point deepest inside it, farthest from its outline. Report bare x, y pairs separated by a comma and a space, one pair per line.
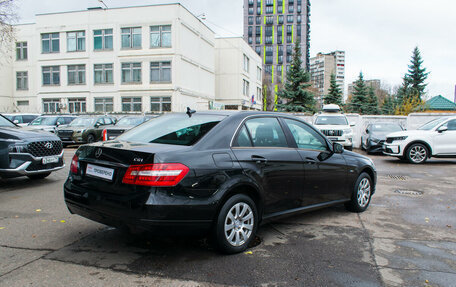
222, 173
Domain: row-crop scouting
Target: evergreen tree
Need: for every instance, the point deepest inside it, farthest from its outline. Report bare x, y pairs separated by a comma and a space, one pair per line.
372, 102
388, 105
335, 93
296, 95
417, 75
358, 103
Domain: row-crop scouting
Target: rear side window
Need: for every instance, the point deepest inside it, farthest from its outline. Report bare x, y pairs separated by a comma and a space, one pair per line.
243, 138
266, 132
173, 129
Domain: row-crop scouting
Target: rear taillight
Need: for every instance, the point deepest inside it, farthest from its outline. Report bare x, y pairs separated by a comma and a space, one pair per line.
159, 174
74, 164
105, 135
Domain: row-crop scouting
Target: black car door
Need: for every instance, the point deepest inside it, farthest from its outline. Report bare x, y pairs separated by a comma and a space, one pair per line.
265, 155
325, 171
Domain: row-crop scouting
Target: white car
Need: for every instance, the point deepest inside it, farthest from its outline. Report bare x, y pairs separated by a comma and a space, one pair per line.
437, 138
336, 128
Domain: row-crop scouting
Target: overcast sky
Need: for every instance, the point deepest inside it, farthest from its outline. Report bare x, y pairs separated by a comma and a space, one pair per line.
377, 36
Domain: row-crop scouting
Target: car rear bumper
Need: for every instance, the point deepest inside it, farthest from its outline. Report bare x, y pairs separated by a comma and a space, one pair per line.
26, 164
151, 211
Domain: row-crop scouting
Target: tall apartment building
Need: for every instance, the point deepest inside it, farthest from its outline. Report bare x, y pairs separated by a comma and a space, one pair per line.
322, 67
272, 27
155, 58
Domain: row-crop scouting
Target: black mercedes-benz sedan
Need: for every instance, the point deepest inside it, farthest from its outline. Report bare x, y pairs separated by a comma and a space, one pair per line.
221, 173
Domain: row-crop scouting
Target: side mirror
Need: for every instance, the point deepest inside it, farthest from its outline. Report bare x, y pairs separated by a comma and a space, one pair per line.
16, 121
367, 131
442, 129
58, 124
97, 125
338, 148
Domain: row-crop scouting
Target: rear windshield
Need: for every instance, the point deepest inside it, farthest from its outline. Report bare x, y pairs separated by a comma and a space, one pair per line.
331, 120
44, 121
174, 129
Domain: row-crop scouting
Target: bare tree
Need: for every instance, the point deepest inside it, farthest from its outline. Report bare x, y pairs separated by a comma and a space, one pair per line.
7, 17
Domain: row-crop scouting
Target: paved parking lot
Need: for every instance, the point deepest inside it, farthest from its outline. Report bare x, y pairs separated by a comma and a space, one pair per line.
406, 238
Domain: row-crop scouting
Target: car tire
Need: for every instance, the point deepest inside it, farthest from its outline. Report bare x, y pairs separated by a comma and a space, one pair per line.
90, 138
38, 176
236, 224
417, 153
361, 195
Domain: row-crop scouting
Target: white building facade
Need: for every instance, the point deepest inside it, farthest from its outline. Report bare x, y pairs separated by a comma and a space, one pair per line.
156, 59
238, 75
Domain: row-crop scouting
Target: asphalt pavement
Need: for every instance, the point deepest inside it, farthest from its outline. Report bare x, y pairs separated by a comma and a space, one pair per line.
407, 237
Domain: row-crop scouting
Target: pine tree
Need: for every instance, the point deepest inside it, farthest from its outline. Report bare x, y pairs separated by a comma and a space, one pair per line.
372, 100
296, 95
388, 105
334, 95
417, 75
358, 103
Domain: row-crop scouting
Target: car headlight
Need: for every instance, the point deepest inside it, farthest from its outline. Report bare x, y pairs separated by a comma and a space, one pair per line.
80, 131
17, 148
393, 139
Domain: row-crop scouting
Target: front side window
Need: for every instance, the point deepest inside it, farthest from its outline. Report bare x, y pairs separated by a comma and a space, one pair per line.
160, 104
21, 80
102, 39
76, 41
266, 132
103, 74
131, 105
51, 75
160, 72
305, 137
77, 105
51, 106
160, 36
173, 129
76, 75
104, 105
21, 51
131, 73
131, 38
50, 43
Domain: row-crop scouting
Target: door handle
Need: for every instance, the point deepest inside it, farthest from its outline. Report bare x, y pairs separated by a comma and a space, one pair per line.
259, 159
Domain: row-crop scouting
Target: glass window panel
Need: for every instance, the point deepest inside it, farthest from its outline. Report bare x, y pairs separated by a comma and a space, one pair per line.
98, 43
108, 42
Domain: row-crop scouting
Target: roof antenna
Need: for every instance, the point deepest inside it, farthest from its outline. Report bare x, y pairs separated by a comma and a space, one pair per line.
190, 112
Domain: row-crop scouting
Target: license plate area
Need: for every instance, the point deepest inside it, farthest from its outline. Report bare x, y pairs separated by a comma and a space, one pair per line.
50, 159
100, 172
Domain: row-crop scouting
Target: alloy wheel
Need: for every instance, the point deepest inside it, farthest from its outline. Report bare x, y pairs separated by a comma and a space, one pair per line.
239, 224
418, 154
364, 192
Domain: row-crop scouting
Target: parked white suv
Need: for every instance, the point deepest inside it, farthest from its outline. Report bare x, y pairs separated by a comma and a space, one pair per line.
334, 125
437, 138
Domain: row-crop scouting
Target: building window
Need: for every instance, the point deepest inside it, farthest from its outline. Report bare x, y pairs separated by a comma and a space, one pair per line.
103, 74
22, 103
299, 18
289, 29
51, 75
268, 69
245, 88
299, 8
258, 50
269, 2
160, 104
76, 106
21, 80
104, 105
160, 72
250, 40
250, 2
290, 19
289, 39
76, 74
250, 20
131, 38
269, 9
269, 20
289, 49
258, 20
268, 39
131, 105
21, 51
290, 9
76, 41
258, 73
258, 40
250, 10
246, 63
298, 33
50, 43
160, 36
102, 39
131, 72
258, 31
280, 20
51, 105
269, 60
258, 94
268, 30
259, 10
250, 30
